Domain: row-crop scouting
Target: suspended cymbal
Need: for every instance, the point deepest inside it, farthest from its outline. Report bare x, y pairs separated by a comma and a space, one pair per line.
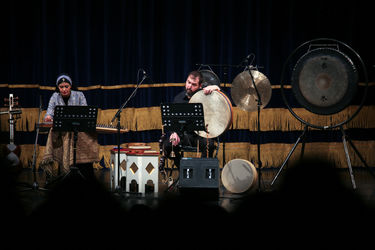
243, 92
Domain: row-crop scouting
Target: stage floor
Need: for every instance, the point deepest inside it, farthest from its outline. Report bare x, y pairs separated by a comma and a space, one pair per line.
309, 206
365, 189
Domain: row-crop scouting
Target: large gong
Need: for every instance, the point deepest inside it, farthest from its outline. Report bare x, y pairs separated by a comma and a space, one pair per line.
324, 81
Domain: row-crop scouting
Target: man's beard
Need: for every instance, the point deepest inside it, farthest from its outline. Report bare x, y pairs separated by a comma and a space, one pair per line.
190, 93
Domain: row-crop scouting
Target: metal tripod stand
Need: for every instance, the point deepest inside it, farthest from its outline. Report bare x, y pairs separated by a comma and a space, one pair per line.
345, 140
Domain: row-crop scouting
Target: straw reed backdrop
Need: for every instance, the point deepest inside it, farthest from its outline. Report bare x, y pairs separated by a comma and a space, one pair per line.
279, 129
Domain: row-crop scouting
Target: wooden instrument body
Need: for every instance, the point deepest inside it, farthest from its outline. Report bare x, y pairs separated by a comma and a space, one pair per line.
100, 128
12, 151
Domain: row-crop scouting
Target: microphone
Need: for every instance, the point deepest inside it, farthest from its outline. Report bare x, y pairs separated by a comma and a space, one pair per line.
144, 73
117, 115
249, 62
247, 59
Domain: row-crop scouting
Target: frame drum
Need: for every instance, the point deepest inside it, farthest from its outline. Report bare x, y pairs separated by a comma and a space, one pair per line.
217, 110
239, 175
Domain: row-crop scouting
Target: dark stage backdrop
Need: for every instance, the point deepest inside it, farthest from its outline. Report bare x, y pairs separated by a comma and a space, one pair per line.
103, 44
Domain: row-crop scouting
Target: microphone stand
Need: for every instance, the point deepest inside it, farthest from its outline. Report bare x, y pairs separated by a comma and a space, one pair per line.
35, 185
259, 104
118, 117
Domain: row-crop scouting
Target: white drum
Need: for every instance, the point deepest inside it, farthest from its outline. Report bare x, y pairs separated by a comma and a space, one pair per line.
218, 114
239, 176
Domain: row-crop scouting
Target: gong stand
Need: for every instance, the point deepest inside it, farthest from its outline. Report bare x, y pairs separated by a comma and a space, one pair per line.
345, 140
301, 137
320, 58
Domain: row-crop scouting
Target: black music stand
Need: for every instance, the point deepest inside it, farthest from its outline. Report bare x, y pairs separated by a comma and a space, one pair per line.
182, 117
75, 119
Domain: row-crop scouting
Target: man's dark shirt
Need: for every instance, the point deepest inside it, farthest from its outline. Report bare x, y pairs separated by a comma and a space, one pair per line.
181, 97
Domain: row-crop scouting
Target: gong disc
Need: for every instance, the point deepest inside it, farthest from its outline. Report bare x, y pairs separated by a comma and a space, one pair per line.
244, 94
209, 78
324, 81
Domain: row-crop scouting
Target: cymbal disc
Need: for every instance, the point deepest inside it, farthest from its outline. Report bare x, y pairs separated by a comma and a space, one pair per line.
244, 94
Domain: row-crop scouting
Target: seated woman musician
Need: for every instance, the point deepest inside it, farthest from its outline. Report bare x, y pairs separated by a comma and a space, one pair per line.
64, 95
192, 85
59, 146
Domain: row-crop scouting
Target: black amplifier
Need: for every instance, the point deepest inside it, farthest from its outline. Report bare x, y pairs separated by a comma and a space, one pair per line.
199, 173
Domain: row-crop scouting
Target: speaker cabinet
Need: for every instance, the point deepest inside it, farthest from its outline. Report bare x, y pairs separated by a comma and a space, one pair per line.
199, 173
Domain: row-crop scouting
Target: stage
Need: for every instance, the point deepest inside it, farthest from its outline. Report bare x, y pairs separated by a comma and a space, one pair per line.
365, 191
87, 213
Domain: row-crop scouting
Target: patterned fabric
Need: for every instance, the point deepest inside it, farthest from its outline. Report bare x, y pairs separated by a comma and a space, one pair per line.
59, 148
76, 99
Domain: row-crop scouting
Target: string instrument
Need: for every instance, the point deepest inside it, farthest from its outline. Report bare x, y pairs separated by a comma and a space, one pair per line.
11, 150
100, 128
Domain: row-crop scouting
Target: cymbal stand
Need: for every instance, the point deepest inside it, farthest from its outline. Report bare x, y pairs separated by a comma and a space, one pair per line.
259, 104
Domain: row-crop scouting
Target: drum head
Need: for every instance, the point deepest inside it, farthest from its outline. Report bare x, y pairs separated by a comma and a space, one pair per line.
239, 175
324, 81
209, 78
217, 110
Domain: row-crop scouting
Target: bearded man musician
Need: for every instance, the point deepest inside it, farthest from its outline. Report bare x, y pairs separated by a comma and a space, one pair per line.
192, 85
